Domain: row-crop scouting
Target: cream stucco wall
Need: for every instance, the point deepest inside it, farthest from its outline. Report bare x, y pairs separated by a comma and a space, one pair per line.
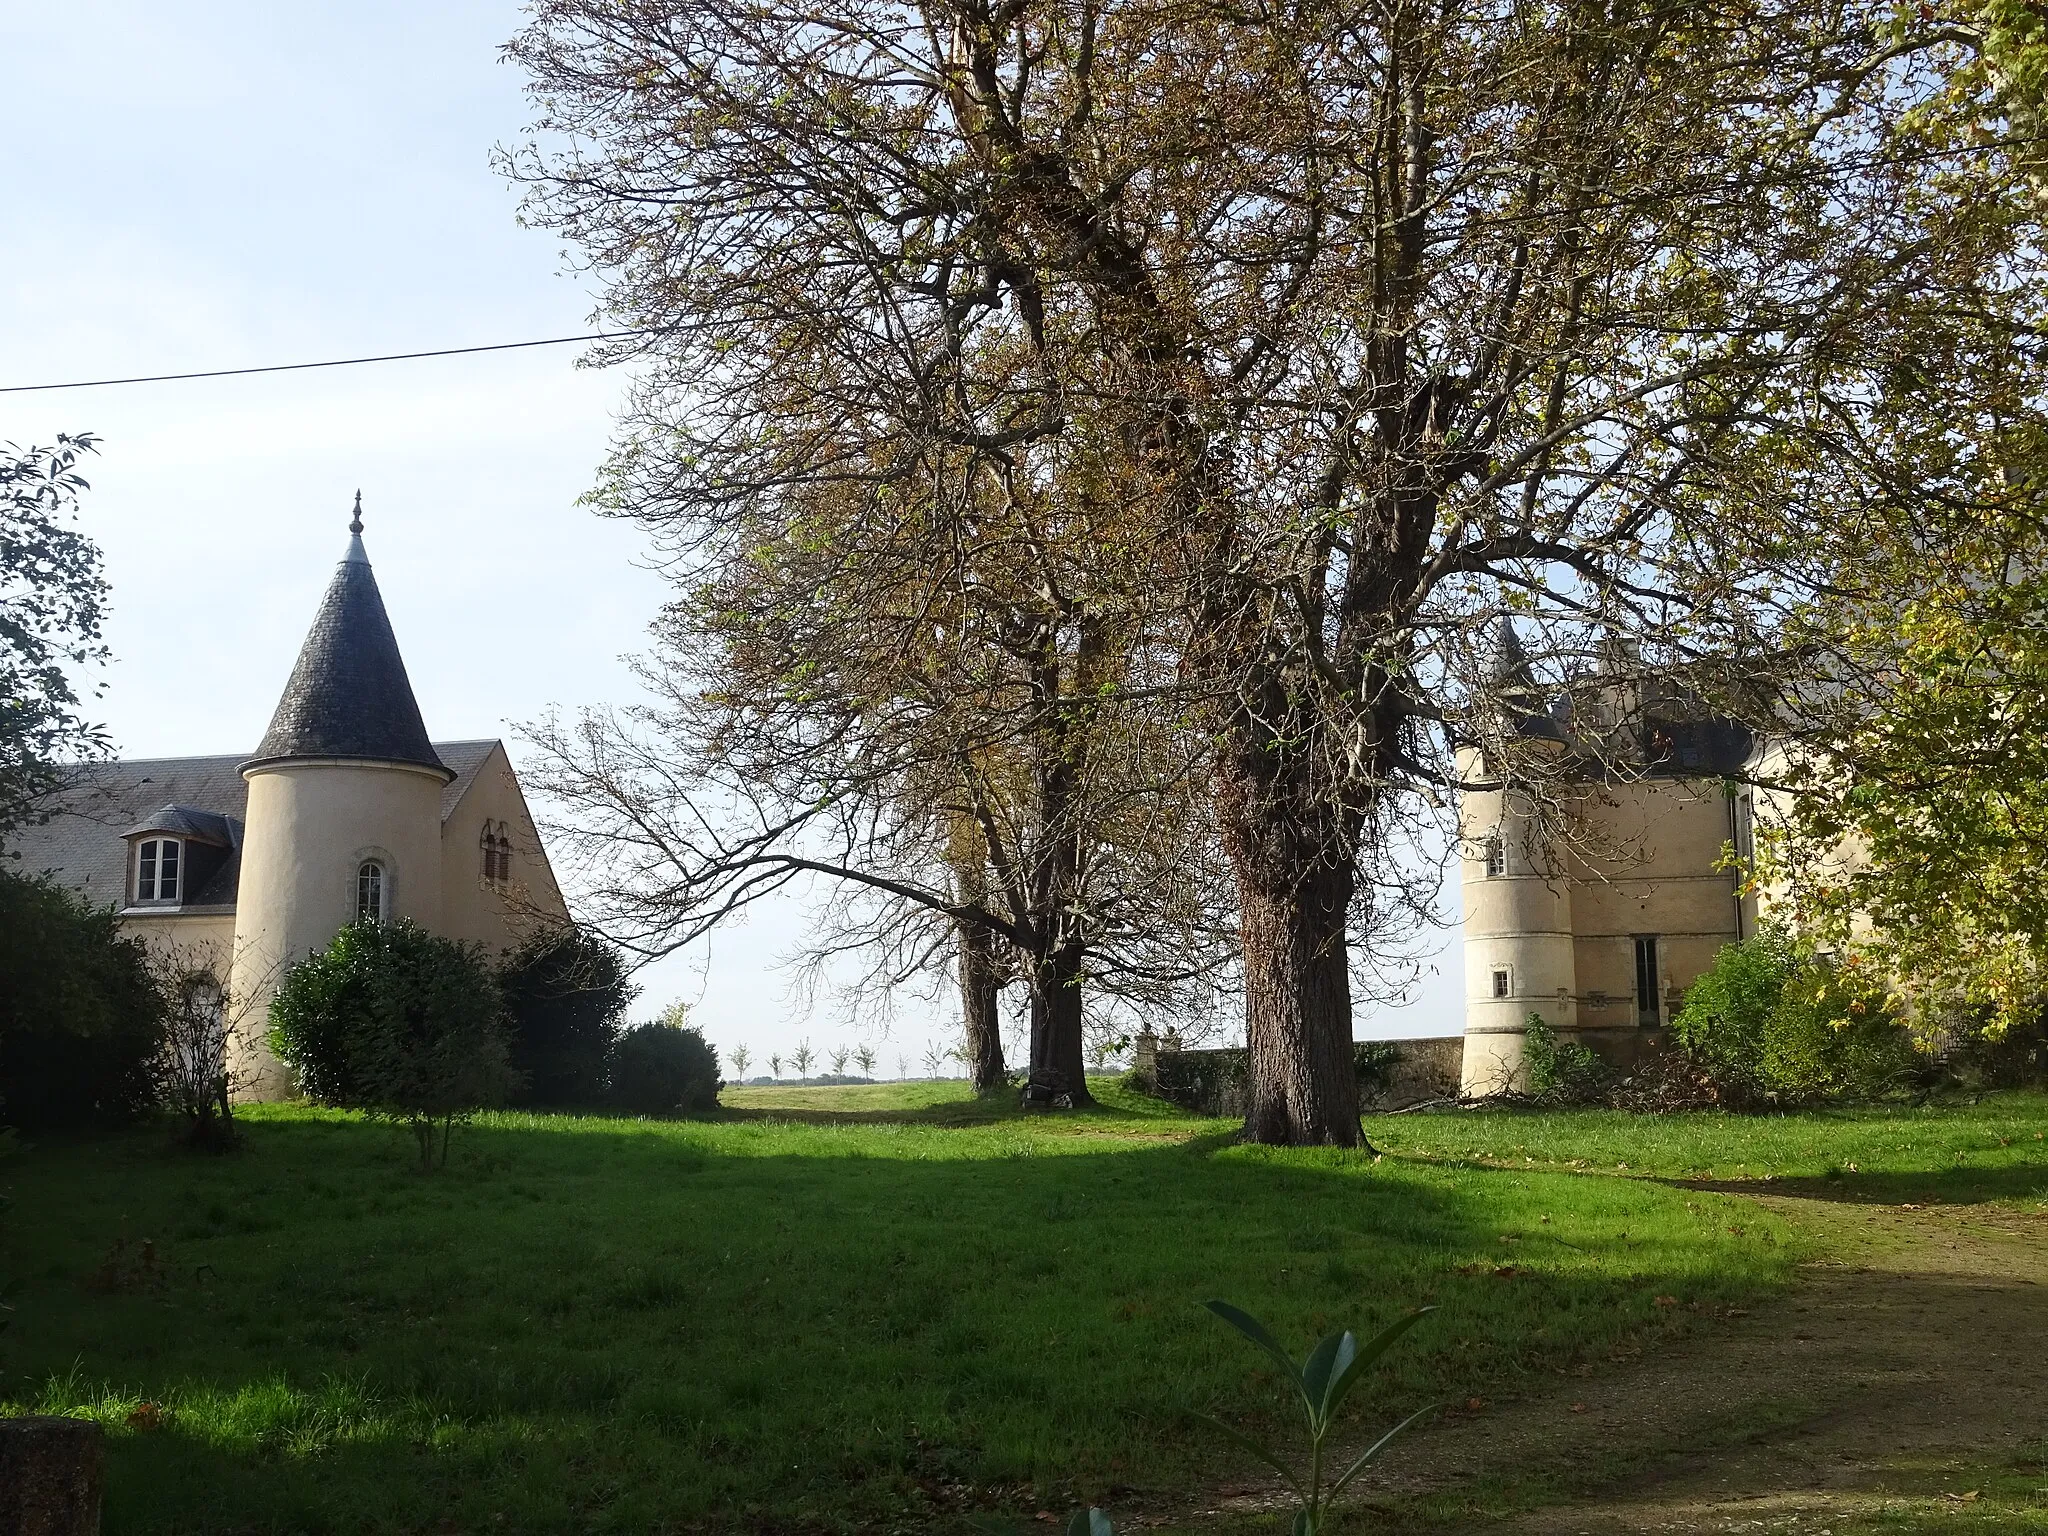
309, 826
1646, 865
497, 914
203, 940
1640, 860
1520, 922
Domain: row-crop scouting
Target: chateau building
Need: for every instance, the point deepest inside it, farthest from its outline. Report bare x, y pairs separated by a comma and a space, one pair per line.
236, 867
1594, 903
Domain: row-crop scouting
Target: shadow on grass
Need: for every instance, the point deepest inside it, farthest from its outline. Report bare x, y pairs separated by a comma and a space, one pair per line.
991, 1109
621, 1324
1947, 1186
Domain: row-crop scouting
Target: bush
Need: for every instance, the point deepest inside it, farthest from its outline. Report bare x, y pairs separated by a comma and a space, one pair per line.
81, 1020
663, 1069
1563, 1071
398, 1022
565, 992
1770, 1023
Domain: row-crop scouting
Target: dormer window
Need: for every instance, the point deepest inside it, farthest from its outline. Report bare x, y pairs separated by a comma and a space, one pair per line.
370, 892
159, 864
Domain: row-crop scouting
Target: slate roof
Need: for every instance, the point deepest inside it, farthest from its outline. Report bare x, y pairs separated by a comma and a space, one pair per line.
1650, 729
189, 821
81, 843
349, 695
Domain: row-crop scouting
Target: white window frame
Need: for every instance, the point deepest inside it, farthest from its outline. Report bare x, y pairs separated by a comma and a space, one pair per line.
149, 854
1495, 853
373, 891
1503, 982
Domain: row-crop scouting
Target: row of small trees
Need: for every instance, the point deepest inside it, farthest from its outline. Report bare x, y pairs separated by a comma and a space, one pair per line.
935, 1059
838, 1058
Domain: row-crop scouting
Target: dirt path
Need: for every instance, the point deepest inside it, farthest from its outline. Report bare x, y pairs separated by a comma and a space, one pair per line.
1918, 1344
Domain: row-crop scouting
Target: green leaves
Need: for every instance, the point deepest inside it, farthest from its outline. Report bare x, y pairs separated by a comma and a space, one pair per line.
1321, 1382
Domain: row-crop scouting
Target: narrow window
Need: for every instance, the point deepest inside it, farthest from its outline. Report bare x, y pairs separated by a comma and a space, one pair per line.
370, 892
490, 847
504, 854
156, 870
1496, 856
1646, 980
1500, 983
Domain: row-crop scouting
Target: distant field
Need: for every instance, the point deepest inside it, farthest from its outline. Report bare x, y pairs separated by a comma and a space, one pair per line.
875, 1306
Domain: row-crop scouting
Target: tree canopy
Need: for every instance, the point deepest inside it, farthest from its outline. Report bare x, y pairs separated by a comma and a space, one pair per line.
52, 605
1336, 335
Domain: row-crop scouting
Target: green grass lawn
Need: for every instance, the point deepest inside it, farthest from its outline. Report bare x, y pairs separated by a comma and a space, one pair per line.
837, 1307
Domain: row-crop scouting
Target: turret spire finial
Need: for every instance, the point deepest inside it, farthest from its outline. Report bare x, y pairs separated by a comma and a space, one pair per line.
356, 522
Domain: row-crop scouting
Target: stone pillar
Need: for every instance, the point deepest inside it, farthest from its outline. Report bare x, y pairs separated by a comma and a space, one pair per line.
1145, 1058
52, 1477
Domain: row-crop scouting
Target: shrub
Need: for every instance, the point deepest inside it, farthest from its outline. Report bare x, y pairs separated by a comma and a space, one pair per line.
1722, 1025
661, 1069
81, 1020
1770, 1023
1562, 1071
398, 1022
197, 1082
565, 992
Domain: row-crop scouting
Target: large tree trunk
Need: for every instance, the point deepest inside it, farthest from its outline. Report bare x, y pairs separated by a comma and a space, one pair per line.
1292, 851
980, 982
1057, 1069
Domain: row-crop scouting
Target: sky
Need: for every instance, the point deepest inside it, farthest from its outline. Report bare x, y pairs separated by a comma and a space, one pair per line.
223, 185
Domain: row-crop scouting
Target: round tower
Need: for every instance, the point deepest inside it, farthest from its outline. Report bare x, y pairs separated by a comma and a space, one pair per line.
1519, 952
344, 815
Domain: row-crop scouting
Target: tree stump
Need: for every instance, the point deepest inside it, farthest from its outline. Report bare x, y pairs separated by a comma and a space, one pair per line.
52, 1474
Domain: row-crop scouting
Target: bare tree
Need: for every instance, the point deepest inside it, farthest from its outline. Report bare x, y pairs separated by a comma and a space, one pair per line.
739, 1056
982, 766
206, 1034
775, 1067
802, 1058
864, 1058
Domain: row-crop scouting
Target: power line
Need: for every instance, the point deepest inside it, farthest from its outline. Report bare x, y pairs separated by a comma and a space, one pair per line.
339, 362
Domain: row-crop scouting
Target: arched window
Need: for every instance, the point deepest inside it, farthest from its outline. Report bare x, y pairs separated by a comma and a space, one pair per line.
370, 892
497, 851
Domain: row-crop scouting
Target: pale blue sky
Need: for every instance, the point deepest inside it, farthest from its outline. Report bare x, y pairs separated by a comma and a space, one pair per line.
206, 186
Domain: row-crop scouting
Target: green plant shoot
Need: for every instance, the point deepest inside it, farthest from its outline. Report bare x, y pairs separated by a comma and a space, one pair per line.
1321, 1383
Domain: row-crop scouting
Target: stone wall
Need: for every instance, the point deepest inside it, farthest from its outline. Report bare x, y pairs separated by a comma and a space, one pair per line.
1423, 1069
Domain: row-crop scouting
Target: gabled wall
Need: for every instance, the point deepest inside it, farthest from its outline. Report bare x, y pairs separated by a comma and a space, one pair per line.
498, 915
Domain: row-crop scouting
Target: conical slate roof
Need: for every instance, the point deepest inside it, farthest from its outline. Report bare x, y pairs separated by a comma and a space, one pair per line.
349, 696
1516, 689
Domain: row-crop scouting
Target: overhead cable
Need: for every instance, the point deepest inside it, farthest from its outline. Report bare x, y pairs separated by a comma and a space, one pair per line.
338, 362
